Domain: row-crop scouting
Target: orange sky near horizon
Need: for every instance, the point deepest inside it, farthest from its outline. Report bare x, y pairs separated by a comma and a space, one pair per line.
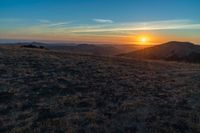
150, 39
142, 22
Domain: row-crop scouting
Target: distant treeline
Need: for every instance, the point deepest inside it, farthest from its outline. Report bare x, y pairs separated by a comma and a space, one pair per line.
33, 46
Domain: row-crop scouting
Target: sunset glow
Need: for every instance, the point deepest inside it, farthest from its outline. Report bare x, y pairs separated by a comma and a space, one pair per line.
100, 66
144, 40
103, 24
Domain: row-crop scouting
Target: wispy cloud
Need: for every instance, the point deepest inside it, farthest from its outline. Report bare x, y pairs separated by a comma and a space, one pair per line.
49, 23
108, 25
58, 24
104, 28
139, 26
33, 22
103, 20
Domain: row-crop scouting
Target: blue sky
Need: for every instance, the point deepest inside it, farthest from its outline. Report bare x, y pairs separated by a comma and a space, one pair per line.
94, 20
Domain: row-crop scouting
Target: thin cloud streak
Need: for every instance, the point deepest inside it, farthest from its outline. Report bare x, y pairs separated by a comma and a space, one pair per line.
69, 30
58, 24
140, 26
103, 20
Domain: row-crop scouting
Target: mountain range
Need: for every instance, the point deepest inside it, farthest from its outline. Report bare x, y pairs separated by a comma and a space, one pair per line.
170, 51
88, 49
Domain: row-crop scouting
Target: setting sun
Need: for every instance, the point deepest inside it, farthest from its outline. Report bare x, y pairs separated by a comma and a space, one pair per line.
100, 66
144, 40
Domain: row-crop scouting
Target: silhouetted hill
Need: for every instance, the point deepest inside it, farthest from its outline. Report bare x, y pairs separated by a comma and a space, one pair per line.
174, 51
90, 49
97, 50
37, 44
32, 46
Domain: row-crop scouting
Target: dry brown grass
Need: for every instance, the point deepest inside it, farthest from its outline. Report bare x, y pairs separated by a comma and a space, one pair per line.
48, 91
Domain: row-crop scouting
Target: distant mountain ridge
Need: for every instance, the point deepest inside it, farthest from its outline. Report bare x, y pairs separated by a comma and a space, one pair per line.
174, 51
83, 48
90, 49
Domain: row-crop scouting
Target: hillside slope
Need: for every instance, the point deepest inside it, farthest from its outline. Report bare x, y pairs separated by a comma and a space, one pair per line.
177, 51
48, 91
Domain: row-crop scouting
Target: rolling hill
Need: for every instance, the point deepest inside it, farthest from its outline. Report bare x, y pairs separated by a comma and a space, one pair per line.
53, 91
174, 51
89, 49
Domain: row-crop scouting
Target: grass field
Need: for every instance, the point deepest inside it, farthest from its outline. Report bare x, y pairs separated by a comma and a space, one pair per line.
49, 91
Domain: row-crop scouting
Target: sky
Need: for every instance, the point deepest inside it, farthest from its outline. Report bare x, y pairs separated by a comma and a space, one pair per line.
100, 21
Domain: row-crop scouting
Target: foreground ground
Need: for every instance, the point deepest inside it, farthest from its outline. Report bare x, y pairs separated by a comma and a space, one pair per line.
46, 91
